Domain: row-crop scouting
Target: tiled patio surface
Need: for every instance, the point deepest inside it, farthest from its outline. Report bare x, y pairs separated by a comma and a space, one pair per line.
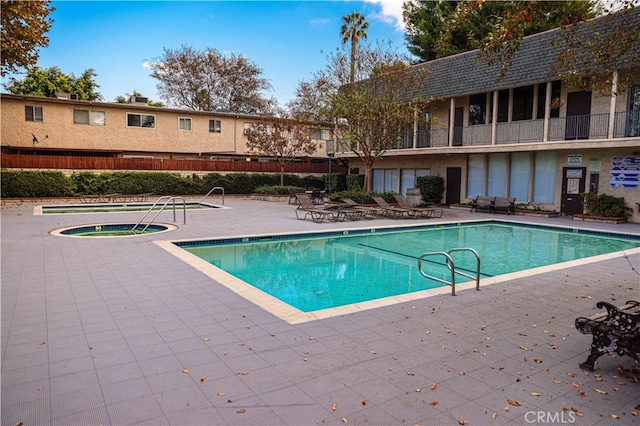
118, 331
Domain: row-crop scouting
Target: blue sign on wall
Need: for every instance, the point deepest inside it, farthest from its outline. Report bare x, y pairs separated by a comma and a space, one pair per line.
625, 171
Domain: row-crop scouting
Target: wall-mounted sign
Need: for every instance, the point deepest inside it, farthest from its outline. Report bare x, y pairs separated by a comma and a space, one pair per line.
595, 165
625, 172
574, 159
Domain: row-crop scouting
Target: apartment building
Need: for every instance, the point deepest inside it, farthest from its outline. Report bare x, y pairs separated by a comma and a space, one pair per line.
69, 126
526, 134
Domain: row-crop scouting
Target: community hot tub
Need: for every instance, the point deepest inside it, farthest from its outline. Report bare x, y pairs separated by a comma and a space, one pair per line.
102, 230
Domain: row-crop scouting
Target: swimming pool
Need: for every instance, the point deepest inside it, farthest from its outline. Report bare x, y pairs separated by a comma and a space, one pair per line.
114, 208
318, 271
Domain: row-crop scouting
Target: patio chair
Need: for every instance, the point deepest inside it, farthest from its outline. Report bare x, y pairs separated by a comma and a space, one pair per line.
368, 212
394, 212
318, 213
426, 211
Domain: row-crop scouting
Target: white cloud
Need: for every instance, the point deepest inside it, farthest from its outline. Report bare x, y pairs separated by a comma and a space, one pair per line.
391, 12
319, 21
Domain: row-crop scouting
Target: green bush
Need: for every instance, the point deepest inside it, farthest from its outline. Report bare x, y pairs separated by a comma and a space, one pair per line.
35, 183
276, 189
605, 205
19, 183
431, 188
355, 182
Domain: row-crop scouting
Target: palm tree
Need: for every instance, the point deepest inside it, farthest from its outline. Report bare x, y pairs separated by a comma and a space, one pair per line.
354, 27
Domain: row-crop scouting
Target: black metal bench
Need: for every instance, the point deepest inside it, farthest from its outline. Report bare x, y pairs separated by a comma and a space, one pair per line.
483, 202
616, 331
505, 205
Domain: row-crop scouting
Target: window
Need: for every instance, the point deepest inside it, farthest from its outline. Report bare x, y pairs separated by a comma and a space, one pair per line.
497, 177
477, 108
92, 118
520, 176
544, 183
555, 99
384, 180
215, 126
409, 178
475, 175
522, 103
141, 120
424, 131
503, 106
184, 124
32, 113
321, 134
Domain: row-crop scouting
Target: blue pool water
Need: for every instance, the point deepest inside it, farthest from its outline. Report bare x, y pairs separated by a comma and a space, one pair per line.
326, 270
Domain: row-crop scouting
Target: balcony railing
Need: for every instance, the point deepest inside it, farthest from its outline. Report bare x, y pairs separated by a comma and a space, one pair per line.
595, 126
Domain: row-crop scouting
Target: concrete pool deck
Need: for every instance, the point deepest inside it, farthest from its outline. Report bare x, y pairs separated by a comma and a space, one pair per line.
119, 331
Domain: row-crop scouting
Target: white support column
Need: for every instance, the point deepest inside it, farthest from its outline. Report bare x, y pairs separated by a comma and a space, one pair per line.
494, 119
452, 116
612, 108
547, 112
415, 126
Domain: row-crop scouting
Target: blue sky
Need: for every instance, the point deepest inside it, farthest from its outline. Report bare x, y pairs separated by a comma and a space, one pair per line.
284, 38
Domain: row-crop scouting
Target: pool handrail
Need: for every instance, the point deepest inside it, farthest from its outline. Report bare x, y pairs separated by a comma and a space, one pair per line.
452, 268
169, 199
209, 193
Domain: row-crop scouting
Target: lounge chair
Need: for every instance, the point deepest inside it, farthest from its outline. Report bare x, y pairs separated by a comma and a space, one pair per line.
394, 212
319, 213
368, 212
426, 211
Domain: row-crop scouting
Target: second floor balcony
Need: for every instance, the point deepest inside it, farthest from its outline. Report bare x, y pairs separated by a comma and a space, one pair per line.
580, 127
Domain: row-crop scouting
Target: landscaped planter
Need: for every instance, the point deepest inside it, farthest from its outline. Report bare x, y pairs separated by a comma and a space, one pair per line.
537, 213
266, 197
601, 219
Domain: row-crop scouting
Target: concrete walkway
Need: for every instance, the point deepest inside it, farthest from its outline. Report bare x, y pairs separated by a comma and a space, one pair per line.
117, 331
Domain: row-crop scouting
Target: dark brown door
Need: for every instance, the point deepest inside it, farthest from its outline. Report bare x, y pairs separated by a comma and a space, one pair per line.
458, 121
454, 177
578, 115
573, 182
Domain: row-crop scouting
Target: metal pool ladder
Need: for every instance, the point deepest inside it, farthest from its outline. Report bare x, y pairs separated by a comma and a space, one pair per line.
168, 198
209, 193
452, 268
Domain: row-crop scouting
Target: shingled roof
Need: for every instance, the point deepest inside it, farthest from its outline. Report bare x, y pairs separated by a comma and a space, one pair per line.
465, 73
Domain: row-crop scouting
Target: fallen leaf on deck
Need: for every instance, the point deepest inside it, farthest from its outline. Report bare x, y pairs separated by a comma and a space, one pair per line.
222, 393
206, 339
434, 386
240, 411
344, 420
538, 360
365, 402
418, 390
613, 416
514, 402
462, 421
334, 406
185, 370
600, 391
572, 374
433, 403
203, 378
536, 394
524, 348
494, 415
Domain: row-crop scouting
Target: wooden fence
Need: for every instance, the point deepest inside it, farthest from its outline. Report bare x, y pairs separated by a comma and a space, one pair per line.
24, 161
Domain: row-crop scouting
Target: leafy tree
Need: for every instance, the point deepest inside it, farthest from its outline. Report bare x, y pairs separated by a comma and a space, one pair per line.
208, 80
354, 27
443, 28
313, 99
126, 99
48, 82
372, 115
282, 137
24, 28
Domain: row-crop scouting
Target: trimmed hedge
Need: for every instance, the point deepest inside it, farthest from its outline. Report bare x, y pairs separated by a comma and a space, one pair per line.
35, 183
